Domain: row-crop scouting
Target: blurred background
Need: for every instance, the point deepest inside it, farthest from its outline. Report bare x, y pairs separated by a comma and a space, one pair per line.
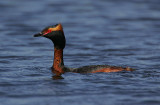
112, 32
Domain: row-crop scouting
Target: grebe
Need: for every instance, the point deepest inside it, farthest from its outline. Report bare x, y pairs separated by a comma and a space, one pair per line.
56, 35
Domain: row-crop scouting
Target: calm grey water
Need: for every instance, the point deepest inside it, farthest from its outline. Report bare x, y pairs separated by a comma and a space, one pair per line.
113, 32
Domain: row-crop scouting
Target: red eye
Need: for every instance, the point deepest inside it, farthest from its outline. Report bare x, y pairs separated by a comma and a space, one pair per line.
48, 31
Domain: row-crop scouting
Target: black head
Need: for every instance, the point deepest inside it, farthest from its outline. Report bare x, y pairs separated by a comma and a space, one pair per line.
54, 33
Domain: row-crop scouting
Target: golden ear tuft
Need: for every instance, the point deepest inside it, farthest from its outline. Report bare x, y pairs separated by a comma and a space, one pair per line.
57, 28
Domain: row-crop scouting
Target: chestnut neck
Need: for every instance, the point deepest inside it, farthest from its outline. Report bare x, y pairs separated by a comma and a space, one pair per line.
58, 61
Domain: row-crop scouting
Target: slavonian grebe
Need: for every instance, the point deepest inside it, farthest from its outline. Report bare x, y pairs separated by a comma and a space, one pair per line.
56, 35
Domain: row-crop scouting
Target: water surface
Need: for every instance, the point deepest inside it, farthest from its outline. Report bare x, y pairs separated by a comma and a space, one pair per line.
119, 32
